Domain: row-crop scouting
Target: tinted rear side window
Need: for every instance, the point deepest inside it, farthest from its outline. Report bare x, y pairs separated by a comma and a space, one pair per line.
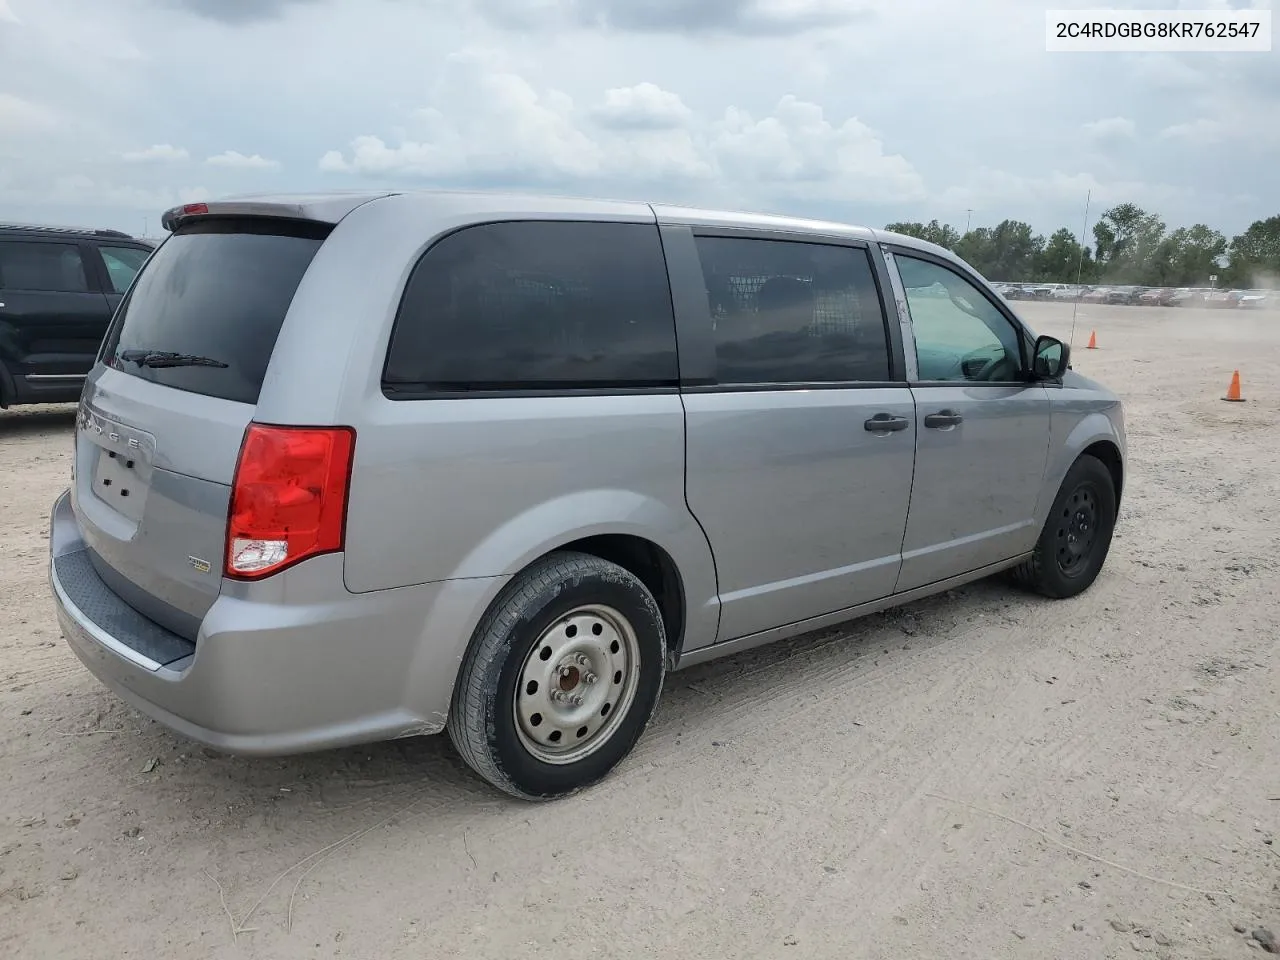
42, 267
793, 312
536, 305
215, 294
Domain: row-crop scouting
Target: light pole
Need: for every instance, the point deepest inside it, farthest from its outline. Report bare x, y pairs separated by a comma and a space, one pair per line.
968, 217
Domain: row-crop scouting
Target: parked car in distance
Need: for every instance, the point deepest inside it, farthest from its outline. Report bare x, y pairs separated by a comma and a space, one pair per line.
397, 464
1255, 300
1126, 296
1156, 297
58, 289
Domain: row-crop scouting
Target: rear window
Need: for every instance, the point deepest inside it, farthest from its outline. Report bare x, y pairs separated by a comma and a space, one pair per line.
209, 305
536, 305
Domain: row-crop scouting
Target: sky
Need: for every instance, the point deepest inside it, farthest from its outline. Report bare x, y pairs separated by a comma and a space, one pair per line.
865, 111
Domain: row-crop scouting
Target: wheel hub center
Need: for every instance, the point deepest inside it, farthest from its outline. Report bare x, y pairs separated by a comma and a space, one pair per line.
1080, 524
569, 678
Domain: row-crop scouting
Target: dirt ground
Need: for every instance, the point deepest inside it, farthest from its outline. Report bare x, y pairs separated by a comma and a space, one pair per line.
979, 775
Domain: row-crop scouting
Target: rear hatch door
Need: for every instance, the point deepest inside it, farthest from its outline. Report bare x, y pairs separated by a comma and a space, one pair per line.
163, 414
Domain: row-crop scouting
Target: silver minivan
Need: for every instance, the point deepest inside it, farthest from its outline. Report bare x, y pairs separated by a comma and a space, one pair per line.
351, 468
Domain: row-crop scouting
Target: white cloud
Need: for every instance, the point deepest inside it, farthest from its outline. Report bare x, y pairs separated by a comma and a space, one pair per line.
238, 161
489, 123
1111, 131
334, 162
646, 106
160, 152
798, 150
1196, 131
6, 13
499, 126
21, 116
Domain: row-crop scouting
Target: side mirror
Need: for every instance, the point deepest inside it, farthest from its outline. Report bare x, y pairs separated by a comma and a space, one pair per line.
1052, 358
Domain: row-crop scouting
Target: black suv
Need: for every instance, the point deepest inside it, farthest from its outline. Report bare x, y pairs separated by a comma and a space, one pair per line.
58, 289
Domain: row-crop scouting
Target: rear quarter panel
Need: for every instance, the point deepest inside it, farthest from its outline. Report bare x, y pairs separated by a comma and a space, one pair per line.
452, 489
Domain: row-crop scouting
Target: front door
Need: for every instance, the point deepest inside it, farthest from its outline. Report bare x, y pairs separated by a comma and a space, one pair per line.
799, 455
982, 436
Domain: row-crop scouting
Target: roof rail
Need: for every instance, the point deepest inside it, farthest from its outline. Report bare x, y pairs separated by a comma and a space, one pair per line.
64, 231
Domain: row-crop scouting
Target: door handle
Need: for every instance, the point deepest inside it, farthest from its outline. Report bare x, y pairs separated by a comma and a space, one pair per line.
886, 423
943, 418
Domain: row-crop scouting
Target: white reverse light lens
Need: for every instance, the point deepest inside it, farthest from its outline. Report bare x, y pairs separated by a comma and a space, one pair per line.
249, 556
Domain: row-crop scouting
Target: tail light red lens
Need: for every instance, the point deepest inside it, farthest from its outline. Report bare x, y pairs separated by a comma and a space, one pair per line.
288, 499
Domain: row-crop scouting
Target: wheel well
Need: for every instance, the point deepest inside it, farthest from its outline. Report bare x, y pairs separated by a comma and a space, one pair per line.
1109, 454
653, 567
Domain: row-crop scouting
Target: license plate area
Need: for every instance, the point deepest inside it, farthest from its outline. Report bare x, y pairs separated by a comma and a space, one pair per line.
120, 481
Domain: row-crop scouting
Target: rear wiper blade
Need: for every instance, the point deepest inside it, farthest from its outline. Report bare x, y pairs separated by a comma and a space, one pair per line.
164, 358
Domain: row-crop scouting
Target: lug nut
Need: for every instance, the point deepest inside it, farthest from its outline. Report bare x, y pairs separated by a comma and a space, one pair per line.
576, 701
589, 677
582, 659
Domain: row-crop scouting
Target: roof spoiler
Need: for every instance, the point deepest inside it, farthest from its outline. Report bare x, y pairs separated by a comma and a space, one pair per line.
176, 216
317, 208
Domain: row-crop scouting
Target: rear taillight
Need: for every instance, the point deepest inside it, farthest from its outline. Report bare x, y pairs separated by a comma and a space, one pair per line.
289, 498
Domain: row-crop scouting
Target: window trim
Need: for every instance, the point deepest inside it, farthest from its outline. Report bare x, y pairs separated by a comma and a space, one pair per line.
391, 392
528, 393
94, 263
983, 288
693, 312
93, 284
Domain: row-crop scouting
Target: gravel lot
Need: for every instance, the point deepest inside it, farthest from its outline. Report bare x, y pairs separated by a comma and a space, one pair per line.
979, 775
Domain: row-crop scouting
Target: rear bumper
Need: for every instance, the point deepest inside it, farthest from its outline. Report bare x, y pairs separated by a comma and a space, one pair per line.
289, 666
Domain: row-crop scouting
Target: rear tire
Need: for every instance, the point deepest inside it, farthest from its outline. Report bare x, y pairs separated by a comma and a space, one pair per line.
562, 676
1076, 537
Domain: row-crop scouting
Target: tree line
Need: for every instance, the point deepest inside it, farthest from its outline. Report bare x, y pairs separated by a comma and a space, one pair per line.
1130, 246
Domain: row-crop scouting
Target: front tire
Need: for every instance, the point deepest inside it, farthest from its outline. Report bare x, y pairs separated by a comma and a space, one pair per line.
1076, 537
561, 678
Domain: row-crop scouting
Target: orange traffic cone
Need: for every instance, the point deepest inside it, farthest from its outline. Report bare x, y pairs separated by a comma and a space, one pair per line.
1233, 391
1093, 340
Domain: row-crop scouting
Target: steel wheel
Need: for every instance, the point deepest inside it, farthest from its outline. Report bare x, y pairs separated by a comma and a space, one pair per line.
1076, 537
577, 684
1077, 530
